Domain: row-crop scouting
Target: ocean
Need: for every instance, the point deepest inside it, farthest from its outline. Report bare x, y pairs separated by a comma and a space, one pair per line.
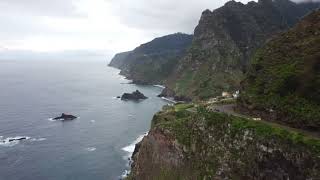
96, 146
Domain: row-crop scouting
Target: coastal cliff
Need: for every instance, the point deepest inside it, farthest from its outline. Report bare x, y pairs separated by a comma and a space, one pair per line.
207, 145
225, 40
151, 63
272, 132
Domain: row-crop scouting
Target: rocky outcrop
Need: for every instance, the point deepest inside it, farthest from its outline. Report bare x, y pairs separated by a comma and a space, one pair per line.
224, 41
135, 96
119, 60
168, 93
283, 82
17, 139
65, 117
151, 63
207, 145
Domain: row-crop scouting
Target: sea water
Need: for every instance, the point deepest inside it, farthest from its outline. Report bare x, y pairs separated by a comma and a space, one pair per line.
95, 146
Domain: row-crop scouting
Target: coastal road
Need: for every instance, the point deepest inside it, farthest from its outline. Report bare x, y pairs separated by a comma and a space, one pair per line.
230, 110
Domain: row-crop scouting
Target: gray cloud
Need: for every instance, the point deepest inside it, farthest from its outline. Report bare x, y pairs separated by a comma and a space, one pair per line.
300, 1
140, 20
39, 7
163, 15
178, 15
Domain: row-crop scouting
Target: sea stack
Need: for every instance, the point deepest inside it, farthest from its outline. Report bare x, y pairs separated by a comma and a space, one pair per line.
135, 96
65, 117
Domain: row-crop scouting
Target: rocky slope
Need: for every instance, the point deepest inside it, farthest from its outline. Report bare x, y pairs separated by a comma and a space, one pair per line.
193, 142
119, 60
224, 41
207, 145
284, 80
152, 62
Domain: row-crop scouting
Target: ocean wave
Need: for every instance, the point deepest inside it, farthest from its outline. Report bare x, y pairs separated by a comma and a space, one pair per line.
159, 86
129, 151
91, 149
38, 139
130, 148
169, 99
51, 119
12, 141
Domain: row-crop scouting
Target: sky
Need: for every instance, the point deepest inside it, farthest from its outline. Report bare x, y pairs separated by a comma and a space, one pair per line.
106, 26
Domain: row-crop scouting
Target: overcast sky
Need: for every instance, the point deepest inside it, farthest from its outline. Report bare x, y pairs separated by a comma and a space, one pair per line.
95, 25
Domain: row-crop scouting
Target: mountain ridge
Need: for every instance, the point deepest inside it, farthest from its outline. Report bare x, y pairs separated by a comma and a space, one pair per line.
224, 41
152, 62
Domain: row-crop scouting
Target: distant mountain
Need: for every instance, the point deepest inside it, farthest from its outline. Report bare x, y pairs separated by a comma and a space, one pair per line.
283, 82
224, 41
154, 61
119, 60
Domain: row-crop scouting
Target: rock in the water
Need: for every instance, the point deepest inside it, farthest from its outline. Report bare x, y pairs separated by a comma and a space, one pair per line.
65, 117
137, 95
17, 139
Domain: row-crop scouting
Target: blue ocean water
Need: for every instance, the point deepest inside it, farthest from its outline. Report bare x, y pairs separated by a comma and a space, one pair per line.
91, 147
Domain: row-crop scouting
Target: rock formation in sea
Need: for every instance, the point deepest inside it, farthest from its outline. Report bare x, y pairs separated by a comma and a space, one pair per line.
65, 117
135, 96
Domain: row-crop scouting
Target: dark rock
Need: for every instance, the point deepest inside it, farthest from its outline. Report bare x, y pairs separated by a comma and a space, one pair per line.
17, 139
166, 92
65, 117
118, 97
136, 96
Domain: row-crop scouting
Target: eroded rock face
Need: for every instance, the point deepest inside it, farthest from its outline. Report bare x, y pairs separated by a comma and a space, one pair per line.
224, 41
152, 62
215, 146
160, 156
135, 96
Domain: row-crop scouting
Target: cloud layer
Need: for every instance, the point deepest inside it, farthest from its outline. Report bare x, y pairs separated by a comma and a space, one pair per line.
110, 25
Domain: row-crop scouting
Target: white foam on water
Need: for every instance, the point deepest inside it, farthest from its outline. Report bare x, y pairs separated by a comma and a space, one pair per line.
125, 174
6, 142
52, 120
93, 121
168, 99
37, 139
159, 86
91, 149
129, 150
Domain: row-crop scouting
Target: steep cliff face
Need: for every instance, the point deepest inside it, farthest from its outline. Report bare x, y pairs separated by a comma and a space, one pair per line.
207, 145
119, 60
154, 61
284, 80
224, 41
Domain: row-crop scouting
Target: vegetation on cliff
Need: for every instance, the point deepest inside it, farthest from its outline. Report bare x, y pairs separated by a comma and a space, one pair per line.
224, 41
284, 79
207, 145
154, 61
